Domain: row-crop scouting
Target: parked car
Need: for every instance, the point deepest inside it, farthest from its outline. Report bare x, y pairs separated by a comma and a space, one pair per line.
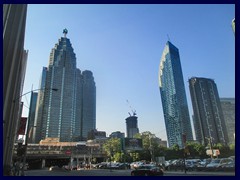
229, 166
216, 163
147, 170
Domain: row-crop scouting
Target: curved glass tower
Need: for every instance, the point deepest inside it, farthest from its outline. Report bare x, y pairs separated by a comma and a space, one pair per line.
173, 95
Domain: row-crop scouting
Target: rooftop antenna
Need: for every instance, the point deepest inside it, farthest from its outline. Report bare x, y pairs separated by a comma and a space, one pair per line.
65, 31
168, 38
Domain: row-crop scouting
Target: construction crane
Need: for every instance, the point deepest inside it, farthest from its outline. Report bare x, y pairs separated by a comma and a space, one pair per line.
133, 111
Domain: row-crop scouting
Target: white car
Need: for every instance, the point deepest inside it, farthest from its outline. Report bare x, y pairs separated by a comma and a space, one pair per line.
215, 163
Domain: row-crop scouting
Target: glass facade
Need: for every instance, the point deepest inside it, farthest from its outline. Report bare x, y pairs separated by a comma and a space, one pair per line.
70, 112
208, 116
228, 108
173, 96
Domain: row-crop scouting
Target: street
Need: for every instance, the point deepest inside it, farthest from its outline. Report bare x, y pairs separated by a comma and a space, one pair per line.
107, 172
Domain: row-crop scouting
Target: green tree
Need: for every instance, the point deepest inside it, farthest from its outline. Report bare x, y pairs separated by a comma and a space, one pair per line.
150, 146
112, 146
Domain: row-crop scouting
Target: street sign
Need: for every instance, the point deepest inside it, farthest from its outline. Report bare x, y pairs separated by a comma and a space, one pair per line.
214, 152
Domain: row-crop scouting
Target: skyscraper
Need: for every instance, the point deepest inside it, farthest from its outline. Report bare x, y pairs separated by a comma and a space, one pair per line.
39, 108
14, 63
132, 126
228, 108
70, 112
31, 114
208, 115
89, 103
173, 95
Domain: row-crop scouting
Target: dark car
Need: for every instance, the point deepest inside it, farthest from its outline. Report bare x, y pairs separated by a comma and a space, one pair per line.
147, 170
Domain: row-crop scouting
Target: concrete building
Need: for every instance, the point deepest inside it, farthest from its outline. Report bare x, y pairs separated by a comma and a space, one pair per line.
14, 68
173, 96
95, 134
132, 126
117, 134
228, 108
208, 116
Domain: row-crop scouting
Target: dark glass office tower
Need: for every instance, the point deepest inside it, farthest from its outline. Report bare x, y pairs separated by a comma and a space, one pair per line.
70, 112
173, 97
31, 115
89, 103
208, 116
228, 108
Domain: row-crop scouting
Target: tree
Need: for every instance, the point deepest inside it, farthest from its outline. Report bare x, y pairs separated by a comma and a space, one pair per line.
112, 146
150, 146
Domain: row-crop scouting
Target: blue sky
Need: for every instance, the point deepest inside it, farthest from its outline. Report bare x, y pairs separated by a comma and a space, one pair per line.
122, 46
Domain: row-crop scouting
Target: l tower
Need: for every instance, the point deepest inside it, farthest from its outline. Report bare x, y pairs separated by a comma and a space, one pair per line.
173, 95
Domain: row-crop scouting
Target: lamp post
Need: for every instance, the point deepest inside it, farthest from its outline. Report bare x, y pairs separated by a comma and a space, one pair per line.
27, 133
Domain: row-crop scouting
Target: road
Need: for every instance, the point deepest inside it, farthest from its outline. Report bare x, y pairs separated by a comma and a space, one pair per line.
107, 172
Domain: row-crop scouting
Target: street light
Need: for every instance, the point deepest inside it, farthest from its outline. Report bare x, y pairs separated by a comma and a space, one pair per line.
27, 133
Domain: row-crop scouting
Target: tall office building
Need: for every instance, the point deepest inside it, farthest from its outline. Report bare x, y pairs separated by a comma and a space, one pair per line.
173, 95
70, 112
14, 68
132, 126
39, 108
31, 114
208, 115
89, 103
228, 108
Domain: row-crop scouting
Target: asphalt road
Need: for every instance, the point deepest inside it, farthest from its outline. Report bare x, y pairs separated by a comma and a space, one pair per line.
107, 172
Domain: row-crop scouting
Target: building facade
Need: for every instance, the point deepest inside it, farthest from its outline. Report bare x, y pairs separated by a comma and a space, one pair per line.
173, 96
208, 116
89, 103
14, 63
117, 134
69, 112
132, 126
228, 108
31, 115
39, 108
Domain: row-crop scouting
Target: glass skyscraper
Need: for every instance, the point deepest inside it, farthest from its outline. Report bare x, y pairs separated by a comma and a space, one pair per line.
228, 108
89, 103
208, 116
70, 112
173, 96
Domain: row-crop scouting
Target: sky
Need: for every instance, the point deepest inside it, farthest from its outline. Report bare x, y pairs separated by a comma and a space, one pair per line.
122, 46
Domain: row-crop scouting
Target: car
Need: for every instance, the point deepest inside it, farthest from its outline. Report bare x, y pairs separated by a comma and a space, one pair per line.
216, 163
147, 170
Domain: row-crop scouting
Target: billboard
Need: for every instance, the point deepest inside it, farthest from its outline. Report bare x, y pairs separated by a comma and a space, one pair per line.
132, 144
22, 126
